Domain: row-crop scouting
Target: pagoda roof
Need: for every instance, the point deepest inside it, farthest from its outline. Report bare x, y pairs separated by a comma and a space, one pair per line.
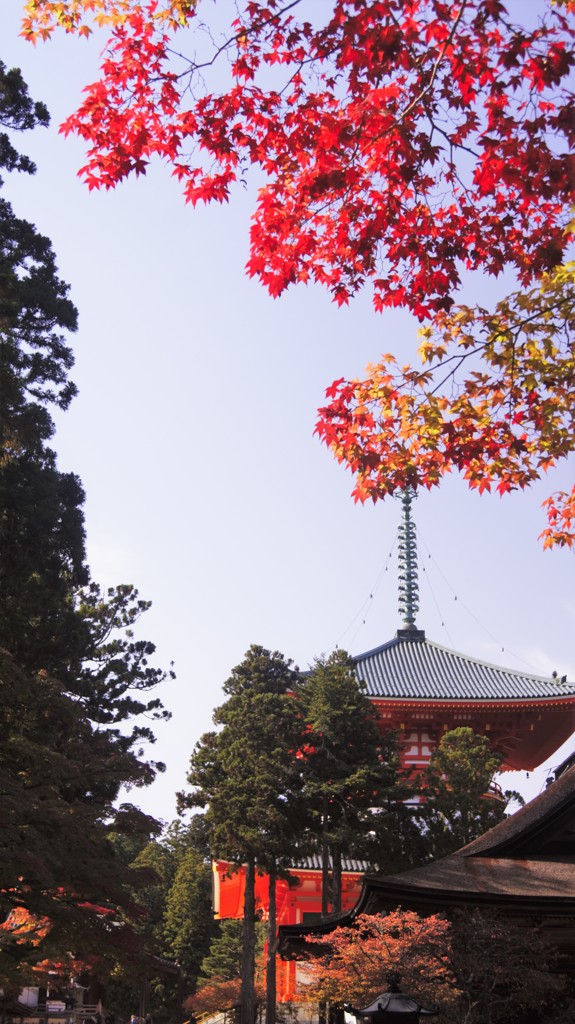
410, 667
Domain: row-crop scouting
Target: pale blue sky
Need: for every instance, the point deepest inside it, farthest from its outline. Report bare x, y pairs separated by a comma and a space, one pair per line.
193, 435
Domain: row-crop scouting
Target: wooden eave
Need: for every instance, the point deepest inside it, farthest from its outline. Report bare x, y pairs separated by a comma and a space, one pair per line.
477, 704
380, 894
543, 723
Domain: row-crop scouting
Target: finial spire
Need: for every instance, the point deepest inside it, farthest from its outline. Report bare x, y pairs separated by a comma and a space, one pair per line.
408, 579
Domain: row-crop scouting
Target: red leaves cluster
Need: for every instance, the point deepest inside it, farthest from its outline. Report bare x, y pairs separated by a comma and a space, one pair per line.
23, 927
401, 141
560, 509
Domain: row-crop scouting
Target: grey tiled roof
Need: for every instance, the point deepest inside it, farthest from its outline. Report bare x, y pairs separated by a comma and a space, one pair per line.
420, 669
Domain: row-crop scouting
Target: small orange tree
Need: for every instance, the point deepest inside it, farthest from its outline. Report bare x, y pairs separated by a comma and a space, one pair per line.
355, 965
477, 968
215, 996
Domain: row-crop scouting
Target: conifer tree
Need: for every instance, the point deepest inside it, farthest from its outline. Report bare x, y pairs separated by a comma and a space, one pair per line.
188, 915
72, 676
36, 313
174, 897
65, 896
351, 772
247, 778
459, 801
224, 959
219, 985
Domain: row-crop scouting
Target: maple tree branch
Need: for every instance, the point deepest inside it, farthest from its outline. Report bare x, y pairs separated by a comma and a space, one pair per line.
454, 170
302, 64
437, 63
242, 33
460, 358
457, 145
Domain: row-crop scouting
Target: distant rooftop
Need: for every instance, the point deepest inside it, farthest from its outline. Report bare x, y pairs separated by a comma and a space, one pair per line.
314, 862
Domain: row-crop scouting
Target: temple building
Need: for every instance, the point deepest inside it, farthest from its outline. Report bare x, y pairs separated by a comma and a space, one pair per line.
422, 690
523, 868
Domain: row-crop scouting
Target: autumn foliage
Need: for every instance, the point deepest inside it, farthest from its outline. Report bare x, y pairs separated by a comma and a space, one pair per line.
218, 995
358, 131
494, 397
474, 968
361, 957
401, 143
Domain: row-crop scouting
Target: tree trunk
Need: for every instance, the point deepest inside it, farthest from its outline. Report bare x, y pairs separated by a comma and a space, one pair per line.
325, 878
325, 893
272, 947
248, 994
336, 880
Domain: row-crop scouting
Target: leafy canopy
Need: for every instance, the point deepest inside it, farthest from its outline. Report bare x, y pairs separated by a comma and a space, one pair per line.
493, 397
353, 784
245, 775
358, 959
460, 800
475, 967
401, 144
357, 131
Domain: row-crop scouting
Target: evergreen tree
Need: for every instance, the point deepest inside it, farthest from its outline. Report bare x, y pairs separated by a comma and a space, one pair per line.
75, 677
458, 806
246, 775
60, 873
224, 959
36, 313
351, 774
174, 923
42, 561
52, 618
18, 112
188, 915
219, 986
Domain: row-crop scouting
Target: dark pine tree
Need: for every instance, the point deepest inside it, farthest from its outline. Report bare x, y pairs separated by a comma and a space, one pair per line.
73, 678
460, 802
352, 777
247, 777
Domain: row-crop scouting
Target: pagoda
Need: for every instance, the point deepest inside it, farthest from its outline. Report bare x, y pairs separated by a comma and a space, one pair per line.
420, 690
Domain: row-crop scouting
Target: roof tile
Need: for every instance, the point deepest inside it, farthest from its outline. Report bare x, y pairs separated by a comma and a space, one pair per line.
421, 669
